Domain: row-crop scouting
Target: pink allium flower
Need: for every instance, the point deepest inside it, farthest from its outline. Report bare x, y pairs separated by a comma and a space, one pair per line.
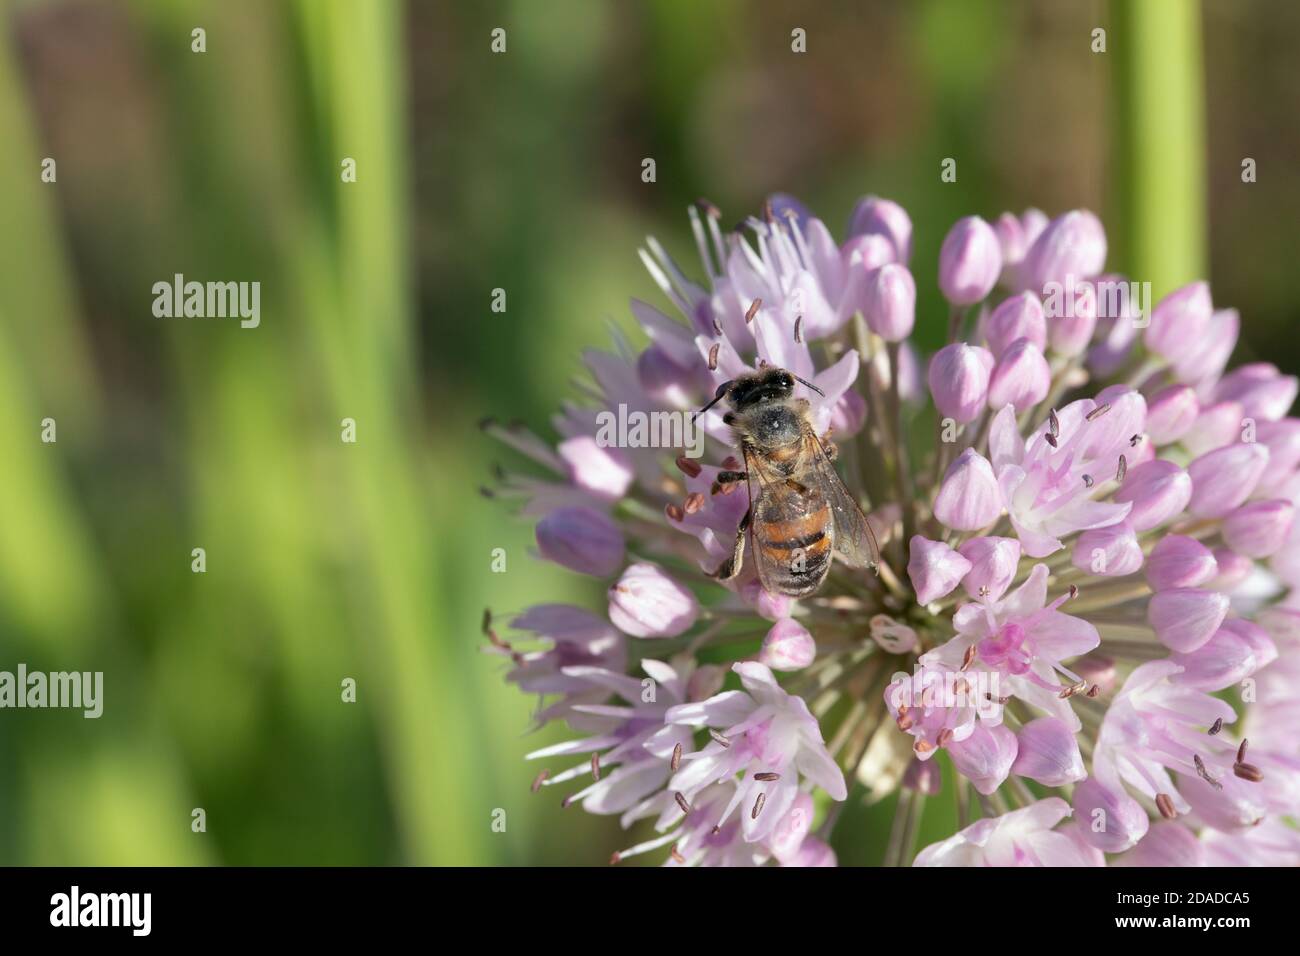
1020, 838
1087, 532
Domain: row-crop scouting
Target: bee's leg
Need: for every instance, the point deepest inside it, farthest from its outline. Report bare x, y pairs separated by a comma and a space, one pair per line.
832, 450
731, 567
726, 478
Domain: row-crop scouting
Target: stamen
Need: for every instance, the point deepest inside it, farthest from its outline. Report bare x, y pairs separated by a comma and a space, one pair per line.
1165, 804
1051, 440
767, 776
1087, 481
1094, 692
1135, 440
708, 208
726, 743
922, 747
1054, 424
753, 310
677, 759
758, 806
969, 657
694, 502
677, 857
1248, 771
943, 737
674, 512
1241, 751
595, 766
688, 466
681, 802
798, 329
713, 357
539, 780
1097, 412
1074, 592
1204, 773
1122, 470
1218, 725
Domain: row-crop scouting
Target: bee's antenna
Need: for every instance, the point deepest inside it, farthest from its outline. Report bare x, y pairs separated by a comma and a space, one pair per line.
808, 384
718, 396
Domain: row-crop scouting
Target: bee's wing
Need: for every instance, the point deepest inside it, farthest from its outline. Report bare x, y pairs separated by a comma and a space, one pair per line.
855, 542
772, 500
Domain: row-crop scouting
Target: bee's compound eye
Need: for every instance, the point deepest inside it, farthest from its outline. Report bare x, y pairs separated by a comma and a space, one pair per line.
787, 380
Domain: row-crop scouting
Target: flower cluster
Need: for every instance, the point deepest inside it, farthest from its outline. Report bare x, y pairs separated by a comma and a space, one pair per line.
1088, 546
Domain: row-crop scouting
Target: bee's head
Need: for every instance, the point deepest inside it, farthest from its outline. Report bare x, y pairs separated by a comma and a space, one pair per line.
768, 385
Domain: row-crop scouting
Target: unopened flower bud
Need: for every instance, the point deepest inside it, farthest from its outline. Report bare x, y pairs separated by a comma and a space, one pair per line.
1048, 752
1185, 618
1178, 561
890, 307
993, 566
581, 539
969, 498
646, 602
1171, 413
1017, 317
1021, 377
1258, 529
970, 261
1224, 478
959, 381
935, 569
1158, 489
788, 646
1179, 322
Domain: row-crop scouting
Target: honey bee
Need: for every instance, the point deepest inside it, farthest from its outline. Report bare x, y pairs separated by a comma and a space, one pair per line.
800, 514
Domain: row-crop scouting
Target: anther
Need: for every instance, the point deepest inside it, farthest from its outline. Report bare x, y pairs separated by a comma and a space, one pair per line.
1216, 727
767, 776
694, 502
674, 512
1204, 774
595, 766
719, 738
1054, 424
677, 758
1097, 412
798, 330
758, 806
713, 357
1165, 804
1087, 481
681, 802
1122, 470
1050, 439
1248, 771
688, 466
753, 310
1241, 751
677, 857
539, 780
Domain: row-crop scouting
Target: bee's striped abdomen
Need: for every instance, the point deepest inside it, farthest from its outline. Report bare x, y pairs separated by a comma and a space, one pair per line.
793, 534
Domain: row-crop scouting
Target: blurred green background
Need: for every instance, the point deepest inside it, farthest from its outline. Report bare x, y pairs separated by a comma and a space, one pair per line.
475, 171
